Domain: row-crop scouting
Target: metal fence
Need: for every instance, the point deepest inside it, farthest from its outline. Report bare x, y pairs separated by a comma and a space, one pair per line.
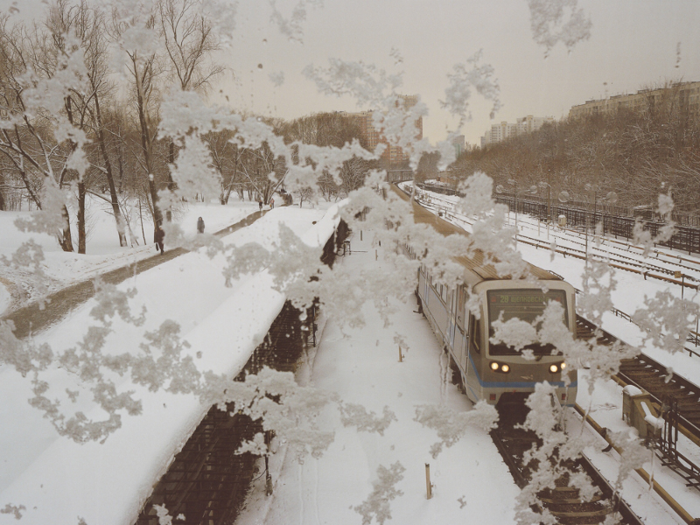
612, 218
685, 238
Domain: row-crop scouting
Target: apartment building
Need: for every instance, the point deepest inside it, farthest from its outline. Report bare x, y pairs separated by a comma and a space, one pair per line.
503, 130
459, 143
393, 155
685, 94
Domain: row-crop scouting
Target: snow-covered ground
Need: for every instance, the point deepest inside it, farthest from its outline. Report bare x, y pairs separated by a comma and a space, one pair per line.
471, 483
57, 480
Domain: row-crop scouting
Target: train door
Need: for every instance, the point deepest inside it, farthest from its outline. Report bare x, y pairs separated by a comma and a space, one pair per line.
472, 359
460, 335
451, 300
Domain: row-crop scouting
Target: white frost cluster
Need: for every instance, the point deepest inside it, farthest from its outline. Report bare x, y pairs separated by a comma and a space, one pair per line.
667, 320
451, 425
376, 506
645, 238
461, 82
357, 416
283, 406
554, 21
551, 458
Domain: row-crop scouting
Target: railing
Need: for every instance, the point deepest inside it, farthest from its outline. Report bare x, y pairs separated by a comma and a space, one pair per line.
685, 238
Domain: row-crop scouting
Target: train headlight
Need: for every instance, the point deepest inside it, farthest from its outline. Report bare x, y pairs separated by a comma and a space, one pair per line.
563, 366
554, 368
499, 367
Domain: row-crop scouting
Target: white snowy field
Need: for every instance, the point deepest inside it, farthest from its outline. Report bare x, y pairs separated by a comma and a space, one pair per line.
58, 481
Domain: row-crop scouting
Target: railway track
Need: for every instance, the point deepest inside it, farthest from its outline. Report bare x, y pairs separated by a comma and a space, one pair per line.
650, 375
622, 262
563, 501
677, 403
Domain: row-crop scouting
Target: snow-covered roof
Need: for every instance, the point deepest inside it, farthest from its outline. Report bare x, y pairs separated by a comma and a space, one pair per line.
58, 480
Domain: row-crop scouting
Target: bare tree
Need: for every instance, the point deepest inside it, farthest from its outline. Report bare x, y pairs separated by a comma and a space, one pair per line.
143, 68
226, 158
29, 56
264, 173
189, 42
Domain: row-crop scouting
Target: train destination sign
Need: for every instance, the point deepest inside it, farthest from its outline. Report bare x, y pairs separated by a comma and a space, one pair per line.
524, 304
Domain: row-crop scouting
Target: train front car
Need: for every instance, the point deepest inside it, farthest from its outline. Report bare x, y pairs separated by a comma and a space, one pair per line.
496, 372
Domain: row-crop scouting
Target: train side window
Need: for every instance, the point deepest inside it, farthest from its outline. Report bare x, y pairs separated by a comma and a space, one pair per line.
475, 333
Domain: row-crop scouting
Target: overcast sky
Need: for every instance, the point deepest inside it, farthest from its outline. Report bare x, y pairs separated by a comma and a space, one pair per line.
634, 43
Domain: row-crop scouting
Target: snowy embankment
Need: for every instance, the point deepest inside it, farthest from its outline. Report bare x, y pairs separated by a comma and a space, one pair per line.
58, 480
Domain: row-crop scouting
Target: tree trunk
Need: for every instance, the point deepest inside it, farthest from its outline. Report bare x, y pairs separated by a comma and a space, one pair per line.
81, 217
116, 210
171, 183
66, 240
146, 147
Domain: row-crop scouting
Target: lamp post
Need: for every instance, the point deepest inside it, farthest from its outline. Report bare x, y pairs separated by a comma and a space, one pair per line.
516, 192
610, 198
543, 184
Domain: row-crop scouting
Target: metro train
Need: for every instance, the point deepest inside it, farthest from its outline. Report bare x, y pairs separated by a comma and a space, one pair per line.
495, 373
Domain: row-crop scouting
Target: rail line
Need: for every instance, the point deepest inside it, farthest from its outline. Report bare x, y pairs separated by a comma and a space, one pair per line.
677, 402
650, 375
638, 268
617, 261
563, 501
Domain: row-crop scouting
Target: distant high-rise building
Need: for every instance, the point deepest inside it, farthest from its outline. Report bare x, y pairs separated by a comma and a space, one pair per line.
459, 143
393, 155
502, 131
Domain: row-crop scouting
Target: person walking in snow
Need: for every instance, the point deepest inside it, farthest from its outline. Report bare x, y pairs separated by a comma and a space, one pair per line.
260, 204
200, 225
159, 239
272, 203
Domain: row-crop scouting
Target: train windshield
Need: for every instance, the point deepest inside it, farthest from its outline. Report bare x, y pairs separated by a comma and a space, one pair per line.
526, 305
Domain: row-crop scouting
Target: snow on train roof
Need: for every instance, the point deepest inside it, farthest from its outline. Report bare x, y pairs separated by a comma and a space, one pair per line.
474, 264
59, 481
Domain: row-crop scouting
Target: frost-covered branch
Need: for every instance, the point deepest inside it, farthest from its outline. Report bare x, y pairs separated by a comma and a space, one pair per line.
284, 407
355, 415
